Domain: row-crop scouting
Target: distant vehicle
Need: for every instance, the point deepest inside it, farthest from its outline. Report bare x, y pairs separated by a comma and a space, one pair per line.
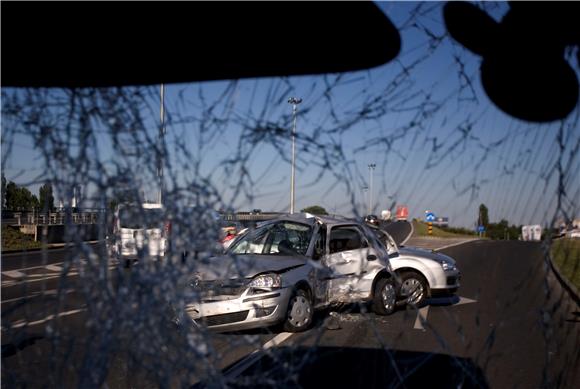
286, 268
386, 214
230, 233
139, 231
532, 233
421, 273
372, 219
402, 212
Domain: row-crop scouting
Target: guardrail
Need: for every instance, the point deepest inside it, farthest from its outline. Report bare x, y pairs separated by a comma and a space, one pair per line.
52, 218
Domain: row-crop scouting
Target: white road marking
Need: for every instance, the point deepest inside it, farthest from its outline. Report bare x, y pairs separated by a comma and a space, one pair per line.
465, 300
441, 301
22, 323
49, 292
457, 244
255, 355
408, 236
40, 277
37, 278
38, 267
421, 317
14, 274
54, 268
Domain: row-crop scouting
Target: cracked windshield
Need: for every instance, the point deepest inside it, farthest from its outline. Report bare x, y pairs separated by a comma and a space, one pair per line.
303, 221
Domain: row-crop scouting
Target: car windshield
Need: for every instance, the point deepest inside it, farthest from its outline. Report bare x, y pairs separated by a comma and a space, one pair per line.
283, 238
139, 218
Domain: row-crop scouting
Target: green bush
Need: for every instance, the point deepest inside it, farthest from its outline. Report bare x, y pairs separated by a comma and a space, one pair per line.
13, 239
566, 255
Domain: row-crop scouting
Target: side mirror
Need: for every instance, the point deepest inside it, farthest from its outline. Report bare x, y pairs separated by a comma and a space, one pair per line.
371, 257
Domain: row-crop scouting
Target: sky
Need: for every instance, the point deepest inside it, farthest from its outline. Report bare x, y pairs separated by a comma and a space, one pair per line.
438, 143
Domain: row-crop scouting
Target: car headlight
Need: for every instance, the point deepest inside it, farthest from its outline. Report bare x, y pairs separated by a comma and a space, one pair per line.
266, 281
447, 266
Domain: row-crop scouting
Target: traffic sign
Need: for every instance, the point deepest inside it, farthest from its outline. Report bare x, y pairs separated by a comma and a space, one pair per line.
480, 228
429, 216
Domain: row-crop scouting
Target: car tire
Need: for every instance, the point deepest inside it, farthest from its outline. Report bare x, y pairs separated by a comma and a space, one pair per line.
414, 288
300, 312
385, 296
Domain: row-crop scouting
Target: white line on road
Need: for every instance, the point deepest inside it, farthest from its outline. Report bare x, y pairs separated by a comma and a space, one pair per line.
421, 318
253, 357
410, 234
54, 268
36, 278
23, 323
38, 267
14, 274
49, 292
457, 244
40, 277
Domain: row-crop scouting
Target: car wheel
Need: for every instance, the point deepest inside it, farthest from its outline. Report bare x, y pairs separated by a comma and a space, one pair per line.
414, 288
385, 297
300, 312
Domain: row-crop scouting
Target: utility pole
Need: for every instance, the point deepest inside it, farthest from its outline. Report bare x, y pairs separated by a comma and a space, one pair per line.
294, 101
365, 189
161, 147
371, 170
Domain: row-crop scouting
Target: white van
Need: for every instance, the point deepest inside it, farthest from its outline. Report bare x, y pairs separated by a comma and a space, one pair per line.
139, 231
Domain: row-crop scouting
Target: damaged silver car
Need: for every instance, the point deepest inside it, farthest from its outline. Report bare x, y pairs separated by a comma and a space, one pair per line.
282, 271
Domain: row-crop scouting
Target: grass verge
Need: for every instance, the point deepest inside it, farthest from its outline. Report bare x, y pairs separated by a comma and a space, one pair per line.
421, 230
566, 255
13, 239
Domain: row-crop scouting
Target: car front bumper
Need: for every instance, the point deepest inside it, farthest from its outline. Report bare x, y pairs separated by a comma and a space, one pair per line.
243, 312
447, 283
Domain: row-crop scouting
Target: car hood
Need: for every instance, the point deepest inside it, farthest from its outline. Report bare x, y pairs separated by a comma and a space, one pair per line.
246, 266
425, 254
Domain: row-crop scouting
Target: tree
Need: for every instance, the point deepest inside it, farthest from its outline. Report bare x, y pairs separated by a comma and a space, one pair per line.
3, 192
483, 216
19, 198
315, 210
46, 198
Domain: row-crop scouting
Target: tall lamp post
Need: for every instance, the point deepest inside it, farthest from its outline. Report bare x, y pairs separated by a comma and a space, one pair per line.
160, 152
294, 101
372, 167
365, 190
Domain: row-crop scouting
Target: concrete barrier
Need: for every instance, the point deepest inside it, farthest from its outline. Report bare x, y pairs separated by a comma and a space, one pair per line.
57, 233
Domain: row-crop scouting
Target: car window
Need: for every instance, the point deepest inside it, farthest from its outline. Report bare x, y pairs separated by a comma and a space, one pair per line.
283, 238
346, 239
320, 244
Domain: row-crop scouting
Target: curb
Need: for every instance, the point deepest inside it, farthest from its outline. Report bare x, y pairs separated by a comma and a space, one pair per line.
51, 246
572, 291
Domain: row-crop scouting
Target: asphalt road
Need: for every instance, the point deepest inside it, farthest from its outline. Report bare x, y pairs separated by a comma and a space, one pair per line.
511, 326
399, 230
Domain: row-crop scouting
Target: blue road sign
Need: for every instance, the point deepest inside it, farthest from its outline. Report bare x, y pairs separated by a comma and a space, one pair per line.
480, 228
430, 217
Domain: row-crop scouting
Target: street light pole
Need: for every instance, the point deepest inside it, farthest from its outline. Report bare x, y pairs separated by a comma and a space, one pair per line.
371, 169
294, 101
365, 190
160, 153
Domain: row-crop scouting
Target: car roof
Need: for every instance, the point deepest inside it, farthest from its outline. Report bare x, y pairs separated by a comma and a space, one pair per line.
310, 219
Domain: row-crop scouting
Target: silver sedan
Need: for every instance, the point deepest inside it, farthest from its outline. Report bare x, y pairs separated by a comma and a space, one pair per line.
280, 272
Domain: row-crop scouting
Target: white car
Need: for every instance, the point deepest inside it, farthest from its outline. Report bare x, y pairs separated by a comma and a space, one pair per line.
421, 273
139, 231
281, 271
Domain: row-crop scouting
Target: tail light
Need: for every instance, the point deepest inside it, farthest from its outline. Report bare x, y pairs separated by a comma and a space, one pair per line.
167, 229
